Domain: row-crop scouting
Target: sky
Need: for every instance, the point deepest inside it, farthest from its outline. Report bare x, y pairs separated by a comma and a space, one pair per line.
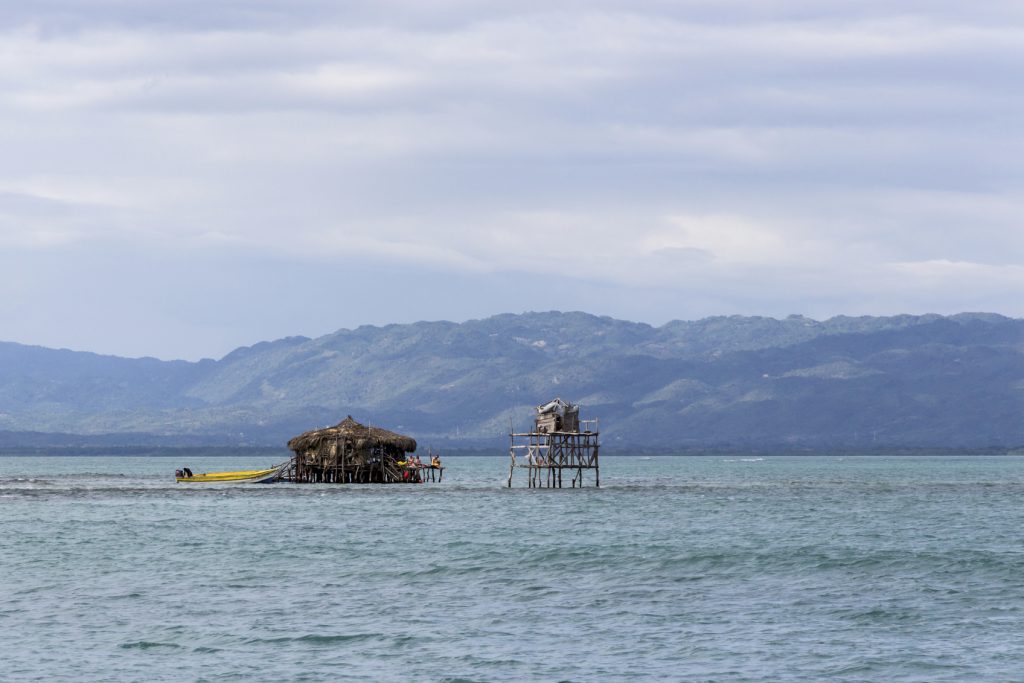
181, 178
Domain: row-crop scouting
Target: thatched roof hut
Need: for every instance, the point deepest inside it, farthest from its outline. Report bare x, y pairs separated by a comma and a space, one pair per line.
356, 437
353, 453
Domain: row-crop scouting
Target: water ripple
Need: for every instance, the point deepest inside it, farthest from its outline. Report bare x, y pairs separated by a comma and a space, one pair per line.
799, 569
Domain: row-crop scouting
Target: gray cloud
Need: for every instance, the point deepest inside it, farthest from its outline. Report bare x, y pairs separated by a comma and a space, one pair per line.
715, 157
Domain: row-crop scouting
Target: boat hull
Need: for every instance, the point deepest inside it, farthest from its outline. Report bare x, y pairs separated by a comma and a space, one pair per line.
242, 477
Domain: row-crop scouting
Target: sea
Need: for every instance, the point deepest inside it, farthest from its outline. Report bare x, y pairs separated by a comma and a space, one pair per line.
718, 568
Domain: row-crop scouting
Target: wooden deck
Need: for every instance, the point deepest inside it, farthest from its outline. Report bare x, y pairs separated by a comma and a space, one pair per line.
338, 471
548, 457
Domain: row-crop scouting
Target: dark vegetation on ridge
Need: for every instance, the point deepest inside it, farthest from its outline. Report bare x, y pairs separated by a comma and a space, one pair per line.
726, 383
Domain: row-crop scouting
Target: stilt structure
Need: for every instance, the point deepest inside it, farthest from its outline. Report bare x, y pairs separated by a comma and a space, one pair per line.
559, 442
352, 453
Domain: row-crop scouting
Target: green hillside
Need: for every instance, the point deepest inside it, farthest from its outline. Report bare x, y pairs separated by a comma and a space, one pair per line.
743, 383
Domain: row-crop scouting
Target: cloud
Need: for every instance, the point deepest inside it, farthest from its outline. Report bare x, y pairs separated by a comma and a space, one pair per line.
791, 156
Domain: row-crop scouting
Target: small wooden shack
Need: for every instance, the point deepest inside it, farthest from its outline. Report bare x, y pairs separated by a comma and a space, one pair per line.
559, 441
353, 453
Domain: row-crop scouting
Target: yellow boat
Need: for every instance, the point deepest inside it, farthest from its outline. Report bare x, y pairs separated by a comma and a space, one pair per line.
243, 477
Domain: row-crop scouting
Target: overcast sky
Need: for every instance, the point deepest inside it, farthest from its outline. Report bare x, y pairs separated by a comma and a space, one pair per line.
181, 178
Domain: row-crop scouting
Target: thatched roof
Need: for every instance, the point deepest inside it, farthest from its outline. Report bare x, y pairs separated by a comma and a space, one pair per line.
358, 435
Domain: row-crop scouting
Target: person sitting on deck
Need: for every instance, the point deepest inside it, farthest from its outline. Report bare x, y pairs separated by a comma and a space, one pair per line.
186, 471
435, 462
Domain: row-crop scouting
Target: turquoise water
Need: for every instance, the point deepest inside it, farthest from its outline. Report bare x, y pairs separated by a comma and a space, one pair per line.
704, 569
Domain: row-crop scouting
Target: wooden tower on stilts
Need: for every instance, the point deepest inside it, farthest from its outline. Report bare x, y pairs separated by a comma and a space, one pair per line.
560, 447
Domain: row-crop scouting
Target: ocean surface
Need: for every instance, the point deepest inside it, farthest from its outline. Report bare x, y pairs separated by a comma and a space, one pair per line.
677, 569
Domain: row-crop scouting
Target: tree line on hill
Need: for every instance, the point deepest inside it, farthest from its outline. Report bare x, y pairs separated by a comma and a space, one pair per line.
847, 384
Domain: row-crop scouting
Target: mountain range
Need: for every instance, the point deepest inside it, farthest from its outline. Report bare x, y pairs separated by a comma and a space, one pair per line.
724, 383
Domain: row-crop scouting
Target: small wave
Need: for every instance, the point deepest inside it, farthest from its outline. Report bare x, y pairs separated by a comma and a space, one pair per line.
880, 615
17, 481
147, 645
340, 638
319, 639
